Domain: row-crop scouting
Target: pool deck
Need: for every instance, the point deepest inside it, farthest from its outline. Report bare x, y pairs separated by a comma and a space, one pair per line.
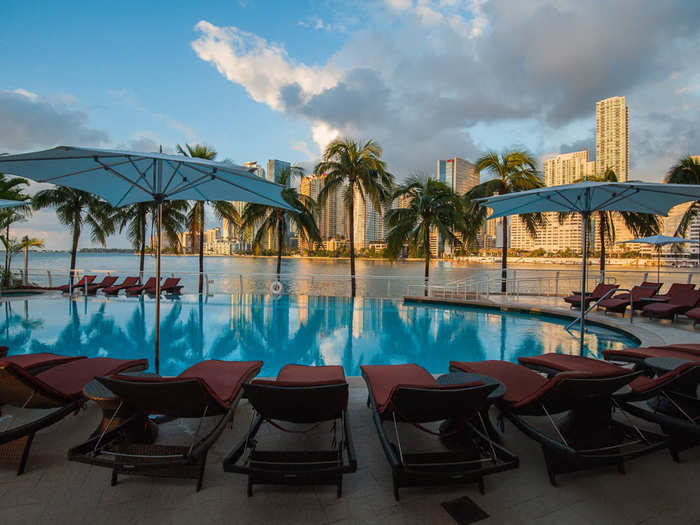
655, 490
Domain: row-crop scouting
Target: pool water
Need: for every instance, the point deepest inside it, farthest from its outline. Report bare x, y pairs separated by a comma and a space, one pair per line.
287, 329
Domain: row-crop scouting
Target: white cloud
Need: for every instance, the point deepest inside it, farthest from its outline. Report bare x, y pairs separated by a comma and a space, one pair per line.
399, 5
302, 147
323, 134
31, 96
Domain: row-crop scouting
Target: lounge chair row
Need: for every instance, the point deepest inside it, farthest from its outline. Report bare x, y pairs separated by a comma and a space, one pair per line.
130, 285
680, 299
575, 399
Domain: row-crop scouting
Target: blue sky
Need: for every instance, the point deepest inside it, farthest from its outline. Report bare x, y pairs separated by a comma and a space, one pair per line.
428, 79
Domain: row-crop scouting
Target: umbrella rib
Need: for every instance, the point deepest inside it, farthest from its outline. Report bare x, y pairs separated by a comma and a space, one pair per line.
569, 201
123, 177
179, 165
79, 171
142, 174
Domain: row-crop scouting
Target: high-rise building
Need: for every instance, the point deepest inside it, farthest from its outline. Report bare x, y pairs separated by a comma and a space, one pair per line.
275, 168
565, 168
671, 223
458, 174
612, 137
330, 218
368, 222
256, 168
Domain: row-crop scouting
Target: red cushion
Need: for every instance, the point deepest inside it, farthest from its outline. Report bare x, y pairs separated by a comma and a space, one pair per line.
224, 378
653, 351
70, 378
520, 382
573, 363
642, 385
29, 361
694, 314
169, 282
311, 374
384, 379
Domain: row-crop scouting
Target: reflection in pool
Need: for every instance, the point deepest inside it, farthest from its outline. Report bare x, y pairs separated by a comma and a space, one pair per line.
287, 329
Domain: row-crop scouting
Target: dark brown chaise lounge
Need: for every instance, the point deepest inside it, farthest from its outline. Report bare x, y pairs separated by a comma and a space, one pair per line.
114, 290
694, 314
306, 397
674, 289
675, 412
139, 289
170, 286
208, 391
587, 435
680, 303
409, 394
645, 284
599, 291
108, 281
35, 363
619, 304
59, 387
80, 284
687, 351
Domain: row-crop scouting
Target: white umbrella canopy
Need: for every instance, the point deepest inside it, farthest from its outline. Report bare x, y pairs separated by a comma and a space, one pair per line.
588, 197
658, 241
127, 177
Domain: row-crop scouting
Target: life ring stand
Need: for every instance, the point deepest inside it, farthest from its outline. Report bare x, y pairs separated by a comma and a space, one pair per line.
276, 287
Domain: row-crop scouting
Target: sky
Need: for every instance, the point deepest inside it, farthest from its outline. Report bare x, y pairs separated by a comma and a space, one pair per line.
427, 79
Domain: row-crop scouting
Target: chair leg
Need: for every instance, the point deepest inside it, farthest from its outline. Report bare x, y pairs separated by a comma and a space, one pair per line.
482, 489
115, 474
339, 492
621, 466
250, 486
550, 470
201, 472
25, 455
396, 488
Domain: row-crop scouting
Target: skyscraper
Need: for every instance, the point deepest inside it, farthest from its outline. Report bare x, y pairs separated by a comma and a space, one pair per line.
458, 174
558, 169
275, 168
255, 167
368, 222
612, 137
331, 215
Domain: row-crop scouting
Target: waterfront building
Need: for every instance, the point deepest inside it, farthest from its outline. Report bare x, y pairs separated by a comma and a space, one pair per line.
564, 168
255, 168
612, 137
368, 222
275, 168
671, 223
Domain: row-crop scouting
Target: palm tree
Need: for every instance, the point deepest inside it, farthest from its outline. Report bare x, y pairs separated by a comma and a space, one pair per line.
276, 221
195, 217
640, 224
433, 206
686, 171
360, 166
26, 243
77, 209
135, 219
12, 188
514, 171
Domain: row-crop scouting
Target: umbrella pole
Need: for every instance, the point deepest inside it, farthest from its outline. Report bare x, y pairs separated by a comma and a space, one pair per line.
158, 242
584, 251
658, 263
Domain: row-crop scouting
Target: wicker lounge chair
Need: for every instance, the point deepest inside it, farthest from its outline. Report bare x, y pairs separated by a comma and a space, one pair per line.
680, 303
208, 391
301, 395
409, 394
620, 302
688, 351
170, 286
660, 400
570, 415
107, 282
85, 279
59, 387
149, 287
599, 291
114, 290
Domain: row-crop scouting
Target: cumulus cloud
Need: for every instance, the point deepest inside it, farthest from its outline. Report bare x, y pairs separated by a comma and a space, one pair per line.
446, 68
30, 121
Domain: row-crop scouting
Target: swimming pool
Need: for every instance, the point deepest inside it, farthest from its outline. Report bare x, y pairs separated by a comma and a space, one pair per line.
287, 329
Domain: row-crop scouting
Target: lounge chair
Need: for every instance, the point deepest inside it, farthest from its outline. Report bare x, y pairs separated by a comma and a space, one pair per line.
114, 290
645, 284
35, 363
674, 289
409, 394
108, 281
619, 304
694, 314
149, 287
661, 400
208, 391
680, 303
598, 292
85, 279
687, 351
170, 286
59, 387
301, 395
576, 407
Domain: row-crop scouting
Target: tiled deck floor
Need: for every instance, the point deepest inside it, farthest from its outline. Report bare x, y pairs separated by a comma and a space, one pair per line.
53, 490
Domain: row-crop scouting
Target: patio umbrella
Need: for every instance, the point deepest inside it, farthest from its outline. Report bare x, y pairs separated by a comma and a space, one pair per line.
588, 197
658, 241
127, 177
4, 203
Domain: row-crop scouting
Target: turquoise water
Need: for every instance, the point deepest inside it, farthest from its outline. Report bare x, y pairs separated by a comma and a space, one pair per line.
286, 329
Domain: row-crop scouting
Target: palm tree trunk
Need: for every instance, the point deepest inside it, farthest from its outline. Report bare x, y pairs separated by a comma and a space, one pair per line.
74, 252
504, 256
142, 255
351, 189
280, 244
26, 265
427, 264
7, 254
602, 250
201, 250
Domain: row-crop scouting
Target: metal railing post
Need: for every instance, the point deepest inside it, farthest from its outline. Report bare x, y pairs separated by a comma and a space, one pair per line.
48, 273
556, 284
71, 274
240, 282
206, 284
